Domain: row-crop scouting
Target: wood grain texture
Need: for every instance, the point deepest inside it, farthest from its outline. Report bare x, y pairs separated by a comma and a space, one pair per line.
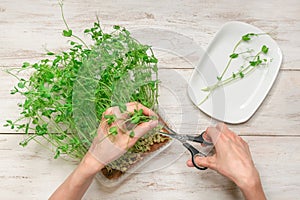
30, 27
279, 114
33, 174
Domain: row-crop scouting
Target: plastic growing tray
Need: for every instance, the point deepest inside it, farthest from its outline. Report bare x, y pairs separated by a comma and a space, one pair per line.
144, 158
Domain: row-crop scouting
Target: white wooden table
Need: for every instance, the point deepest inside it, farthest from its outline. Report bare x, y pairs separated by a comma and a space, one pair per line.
27, 27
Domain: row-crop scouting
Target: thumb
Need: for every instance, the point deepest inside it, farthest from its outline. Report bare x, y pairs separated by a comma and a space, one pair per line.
208, 162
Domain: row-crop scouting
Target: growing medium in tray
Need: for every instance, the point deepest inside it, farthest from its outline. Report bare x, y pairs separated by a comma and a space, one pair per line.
67, 92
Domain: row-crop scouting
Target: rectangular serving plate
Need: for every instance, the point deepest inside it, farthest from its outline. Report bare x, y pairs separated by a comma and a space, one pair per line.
237, 102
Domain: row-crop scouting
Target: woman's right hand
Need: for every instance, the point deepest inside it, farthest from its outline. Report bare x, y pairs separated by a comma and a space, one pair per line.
233, 160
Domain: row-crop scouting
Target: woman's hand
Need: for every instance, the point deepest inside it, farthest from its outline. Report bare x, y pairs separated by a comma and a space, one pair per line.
105, 148
108, 147
233, 160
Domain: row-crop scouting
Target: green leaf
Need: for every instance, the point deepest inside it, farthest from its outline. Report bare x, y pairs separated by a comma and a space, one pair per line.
252, 63
264, 49
140, 112
21, 85
131, 134
233, 75
255, 63
25, 65
67, 33
116, 27
50, 53
113, 130
246, 37
106, 36
135, 120
57, 154
14, 91
23, 143
41, 130
9, 123
110, 118
241, 74
234, 55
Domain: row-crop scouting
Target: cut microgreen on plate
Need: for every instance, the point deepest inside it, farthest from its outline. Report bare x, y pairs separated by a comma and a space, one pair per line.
251, 59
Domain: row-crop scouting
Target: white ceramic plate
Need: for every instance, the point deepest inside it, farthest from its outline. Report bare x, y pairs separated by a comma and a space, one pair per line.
236, 102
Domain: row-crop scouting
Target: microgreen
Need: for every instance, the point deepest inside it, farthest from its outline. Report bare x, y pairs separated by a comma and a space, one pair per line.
234, 55
248, 36
254, 62
67, 33
138, 117
127, 71
241, 74
131, 134
110, 118
113, 130
264, 49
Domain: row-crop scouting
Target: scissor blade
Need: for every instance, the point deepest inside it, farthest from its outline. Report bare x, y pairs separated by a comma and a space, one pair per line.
181, 138
169, 130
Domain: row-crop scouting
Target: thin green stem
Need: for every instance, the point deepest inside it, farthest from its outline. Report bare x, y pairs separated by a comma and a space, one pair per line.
67, 26
228, 63
228, 80
204, 99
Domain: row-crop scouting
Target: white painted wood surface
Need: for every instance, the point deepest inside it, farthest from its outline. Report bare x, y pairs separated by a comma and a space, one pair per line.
27, 27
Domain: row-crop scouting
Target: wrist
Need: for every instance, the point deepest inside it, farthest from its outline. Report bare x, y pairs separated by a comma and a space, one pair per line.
252, 188
89, 165
249, 180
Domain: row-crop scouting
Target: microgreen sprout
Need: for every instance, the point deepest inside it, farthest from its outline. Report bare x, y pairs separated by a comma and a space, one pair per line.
138, 117
110, 118
131, 134
244, 70
47, 112
113, 130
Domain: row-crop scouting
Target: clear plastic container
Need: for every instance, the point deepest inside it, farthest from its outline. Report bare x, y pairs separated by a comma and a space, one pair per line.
134, 168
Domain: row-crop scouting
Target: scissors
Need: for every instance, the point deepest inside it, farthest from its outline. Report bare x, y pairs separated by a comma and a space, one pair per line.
183, 138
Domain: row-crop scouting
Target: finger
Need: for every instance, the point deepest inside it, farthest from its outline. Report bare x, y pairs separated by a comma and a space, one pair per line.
208, 162
120, 118
221, 127
203, 161
206, 138
189, 163
108, 111
137, 106
144, 128
117, 112
213, 134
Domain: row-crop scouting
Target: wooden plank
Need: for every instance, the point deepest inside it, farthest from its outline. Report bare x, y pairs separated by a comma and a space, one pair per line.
278, 115
29, 27
31, 173
32, 26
